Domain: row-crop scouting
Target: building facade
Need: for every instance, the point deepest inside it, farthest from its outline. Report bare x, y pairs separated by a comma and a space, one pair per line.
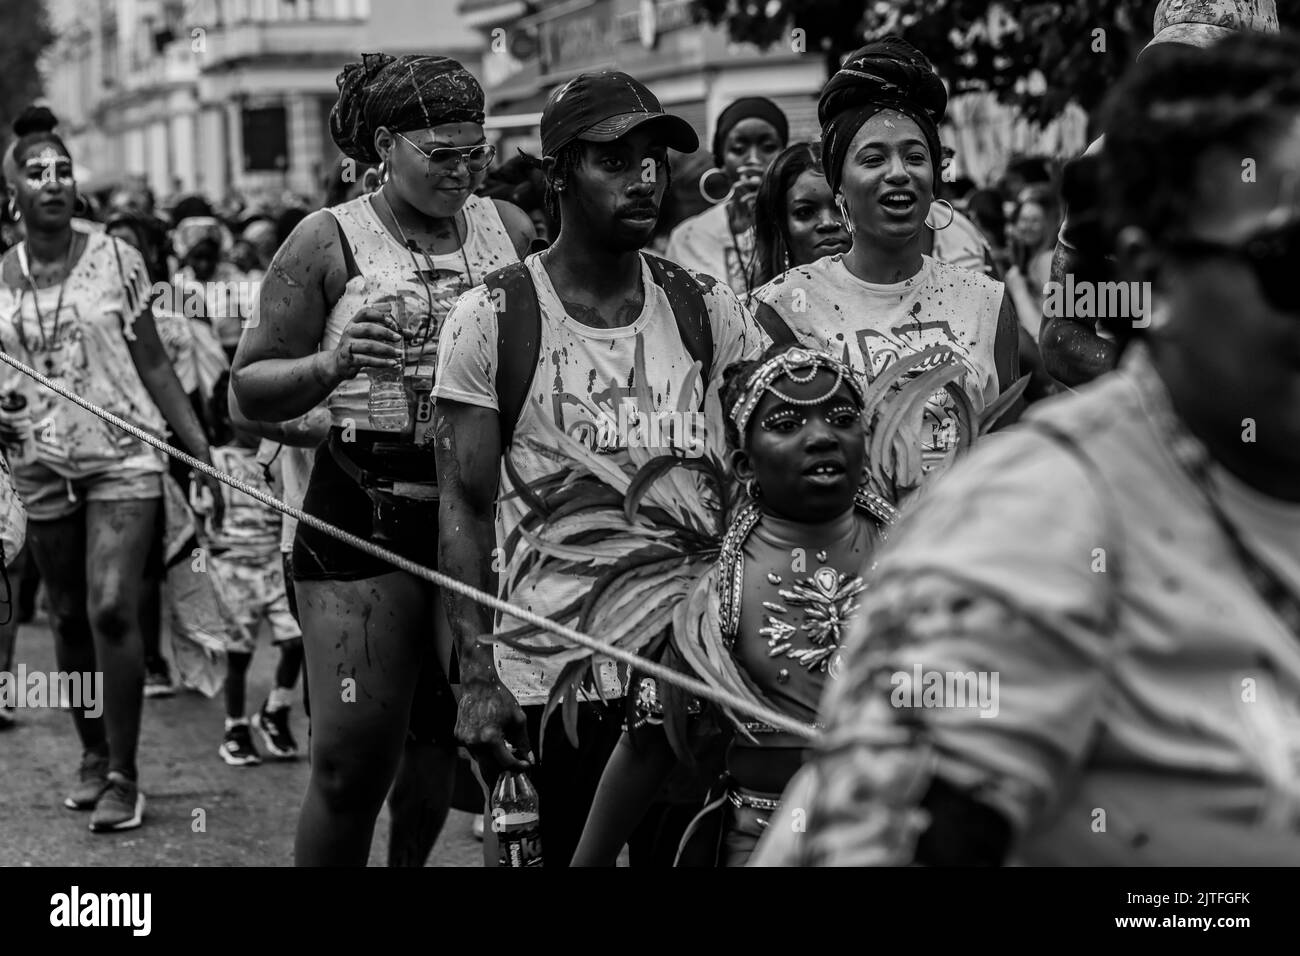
222, 95
531, 48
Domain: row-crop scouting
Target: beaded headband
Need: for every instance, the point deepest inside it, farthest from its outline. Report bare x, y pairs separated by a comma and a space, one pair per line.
800, 366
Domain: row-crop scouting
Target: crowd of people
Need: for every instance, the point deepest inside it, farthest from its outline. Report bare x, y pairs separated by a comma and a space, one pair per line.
741, 419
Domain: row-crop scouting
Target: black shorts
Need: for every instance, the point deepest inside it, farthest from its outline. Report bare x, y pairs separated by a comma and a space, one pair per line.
333, 496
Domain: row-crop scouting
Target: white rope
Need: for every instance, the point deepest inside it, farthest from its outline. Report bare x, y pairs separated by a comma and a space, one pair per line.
698, 688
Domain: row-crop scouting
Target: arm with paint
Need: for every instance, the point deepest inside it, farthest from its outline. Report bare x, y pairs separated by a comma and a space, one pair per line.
305, 431
1073, 352
467, 445
280, 371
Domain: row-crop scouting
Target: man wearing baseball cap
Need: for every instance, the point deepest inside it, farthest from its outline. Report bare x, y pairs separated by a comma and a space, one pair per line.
567, 339
1075, 350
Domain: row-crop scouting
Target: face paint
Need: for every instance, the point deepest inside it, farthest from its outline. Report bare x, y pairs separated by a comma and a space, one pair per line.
48, 166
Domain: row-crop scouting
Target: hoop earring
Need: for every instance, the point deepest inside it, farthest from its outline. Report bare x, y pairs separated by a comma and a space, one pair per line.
705, 196
14, 213
383, 171
844, 214
752, 489
952, 214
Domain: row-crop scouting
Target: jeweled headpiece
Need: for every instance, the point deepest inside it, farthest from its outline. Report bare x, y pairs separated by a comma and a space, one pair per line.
800, 366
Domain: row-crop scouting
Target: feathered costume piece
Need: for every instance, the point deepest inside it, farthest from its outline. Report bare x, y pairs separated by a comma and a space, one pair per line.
662, 537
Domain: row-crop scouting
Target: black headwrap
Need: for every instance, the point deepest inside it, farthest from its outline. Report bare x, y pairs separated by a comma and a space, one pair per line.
748, 107
402, 93
888, 74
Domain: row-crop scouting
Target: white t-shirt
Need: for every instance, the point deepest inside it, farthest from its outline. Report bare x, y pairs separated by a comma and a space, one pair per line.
871, 325
249, 529
960, 243
583, 375
705, 243
76, 333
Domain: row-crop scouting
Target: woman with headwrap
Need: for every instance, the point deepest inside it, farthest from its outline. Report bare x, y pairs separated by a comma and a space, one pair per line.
885, 298
720, 241
350, 314
78, 305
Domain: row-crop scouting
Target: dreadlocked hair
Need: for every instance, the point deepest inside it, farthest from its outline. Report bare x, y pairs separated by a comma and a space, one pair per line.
1176, 106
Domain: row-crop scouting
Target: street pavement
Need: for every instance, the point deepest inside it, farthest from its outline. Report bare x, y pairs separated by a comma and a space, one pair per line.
250, 813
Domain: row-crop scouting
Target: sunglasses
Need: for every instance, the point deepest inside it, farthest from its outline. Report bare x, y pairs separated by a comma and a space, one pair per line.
476, 158
1273, 253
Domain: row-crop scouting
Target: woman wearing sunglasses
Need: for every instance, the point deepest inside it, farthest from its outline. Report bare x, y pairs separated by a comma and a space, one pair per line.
351, 309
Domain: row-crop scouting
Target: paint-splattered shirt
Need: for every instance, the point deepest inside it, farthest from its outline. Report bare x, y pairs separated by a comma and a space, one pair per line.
870, 326
76, 333
389, 269
584, 376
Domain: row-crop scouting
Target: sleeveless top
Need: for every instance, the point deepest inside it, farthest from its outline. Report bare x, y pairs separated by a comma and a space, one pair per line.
388, 269
870, 326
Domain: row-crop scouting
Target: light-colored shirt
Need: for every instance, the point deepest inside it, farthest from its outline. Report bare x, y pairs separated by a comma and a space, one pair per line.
705, 243
249, 529
388, 269
870, 326
1147, 703
76, 333
584, 376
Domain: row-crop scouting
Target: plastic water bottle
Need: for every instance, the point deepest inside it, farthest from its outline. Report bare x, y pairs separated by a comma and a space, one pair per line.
13, 410
516, 820
387, 399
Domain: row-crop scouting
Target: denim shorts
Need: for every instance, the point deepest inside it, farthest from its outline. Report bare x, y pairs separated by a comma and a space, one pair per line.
48, 496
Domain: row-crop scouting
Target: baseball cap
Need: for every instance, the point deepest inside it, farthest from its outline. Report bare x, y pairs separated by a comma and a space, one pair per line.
601, 107
1202, 23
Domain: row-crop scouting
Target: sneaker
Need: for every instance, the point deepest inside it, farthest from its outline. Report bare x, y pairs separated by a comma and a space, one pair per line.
476, 827
274, 727
8, 717
237, 749
94, 781
158, 684
120, 807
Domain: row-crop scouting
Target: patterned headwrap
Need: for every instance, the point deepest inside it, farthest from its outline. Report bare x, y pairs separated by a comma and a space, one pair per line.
402, 93
799, 365
888, 74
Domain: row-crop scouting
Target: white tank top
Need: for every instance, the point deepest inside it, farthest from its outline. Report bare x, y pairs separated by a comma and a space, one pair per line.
387, 269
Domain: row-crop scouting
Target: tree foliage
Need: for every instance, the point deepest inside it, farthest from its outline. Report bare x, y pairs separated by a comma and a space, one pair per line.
1036, 55
25, 34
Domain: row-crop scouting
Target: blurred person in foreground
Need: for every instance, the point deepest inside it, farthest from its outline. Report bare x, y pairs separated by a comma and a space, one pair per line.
1078, 349
1120, 577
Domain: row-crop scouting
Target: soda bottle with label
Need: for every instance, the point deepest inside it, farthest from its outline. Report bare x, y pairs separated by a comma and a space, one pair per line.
13, 410
387, 399
516, 820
